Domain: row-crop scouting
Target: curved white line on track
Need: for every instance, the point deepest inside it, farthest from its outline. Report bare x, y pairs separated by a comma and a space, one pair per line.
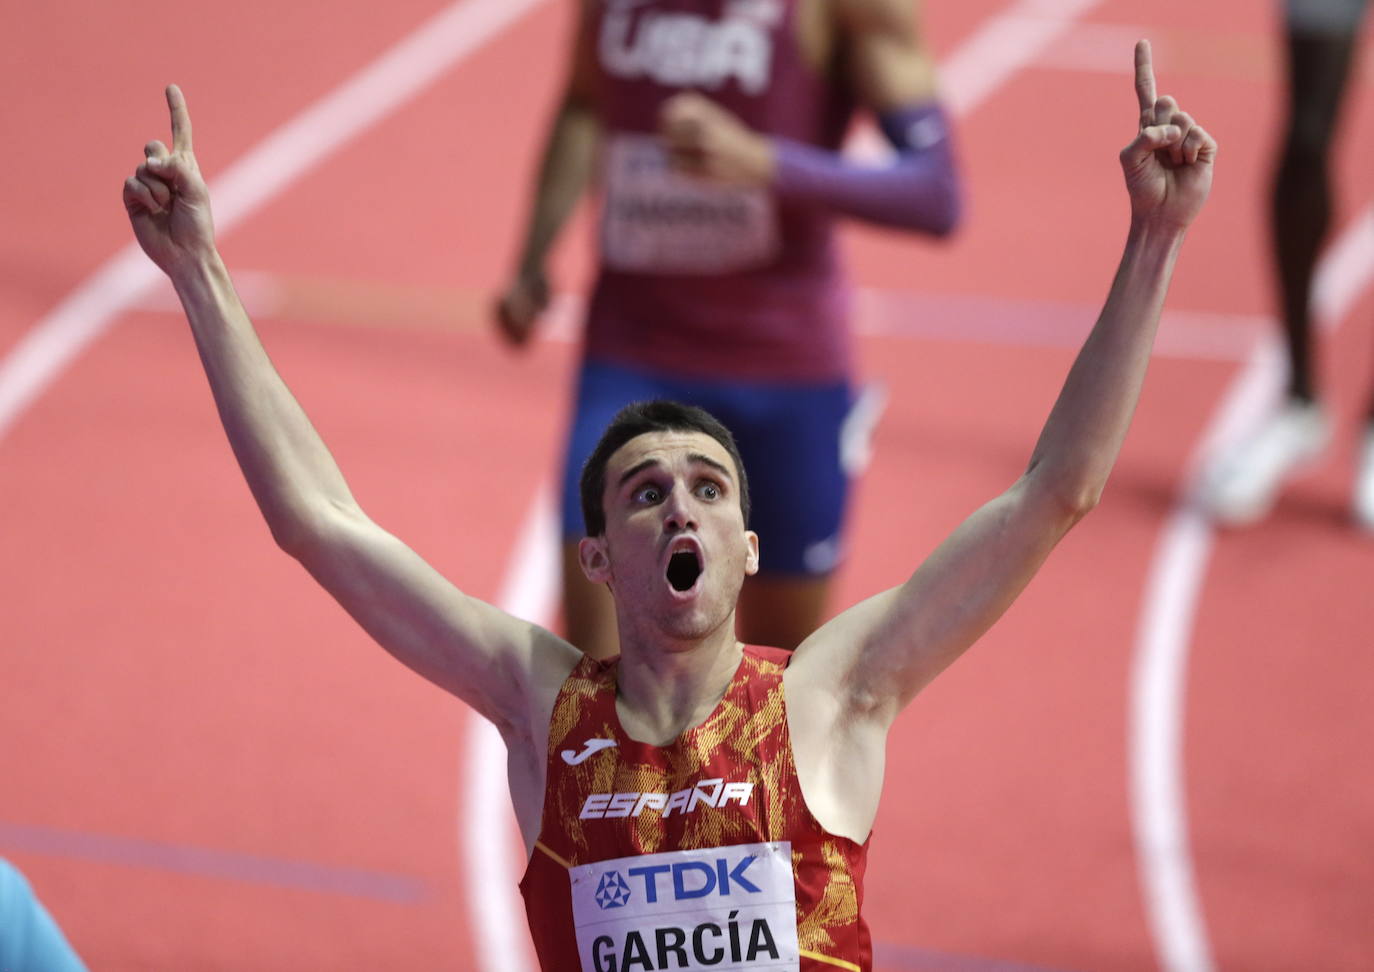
47, 348
1004, 45
487, 833
398, 75
1159, 816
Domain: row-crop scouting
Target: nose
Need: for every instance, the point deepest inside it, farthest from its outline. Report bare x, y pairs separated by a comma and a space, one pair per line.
678, 515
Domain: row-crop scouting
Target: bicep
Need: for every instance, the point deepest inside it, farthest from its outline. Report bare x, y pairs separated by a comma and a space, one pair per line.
886, 60
469, 648
883, 651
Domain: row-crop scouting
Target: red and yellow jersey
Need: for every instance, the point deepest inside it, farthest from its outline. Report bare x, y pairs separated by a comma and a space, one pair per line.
699, 854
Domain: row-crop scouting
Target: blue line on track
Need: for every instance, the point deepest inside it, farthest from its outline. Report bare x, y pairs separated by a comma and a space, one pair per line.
205, 862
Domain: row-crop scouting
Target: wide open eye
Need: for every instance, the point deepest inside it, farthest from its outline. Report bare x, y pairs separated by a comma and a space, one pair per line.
683, 570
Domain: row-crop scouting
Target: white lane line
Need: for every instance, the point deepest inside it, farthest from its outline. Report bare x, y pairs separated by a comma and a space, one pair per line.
1346, 271
899, 314
493, 854
47, 348
1159, 668
284, 156
988, 59
1006, 45
1199, 335
254, 180
400, 74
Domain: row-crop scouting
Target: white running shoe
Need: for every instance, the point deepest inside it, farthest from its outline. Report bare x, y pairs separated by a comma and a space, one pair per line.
1242, 485
1364, 481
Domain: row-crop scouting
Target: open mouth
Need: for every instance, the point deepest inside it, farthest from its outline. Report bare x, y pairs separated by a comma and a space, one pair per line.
684, 567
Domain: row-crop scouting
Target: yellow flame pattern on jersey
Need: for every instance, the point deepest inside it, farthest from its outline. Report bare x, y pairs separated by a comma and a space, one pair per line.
745, 739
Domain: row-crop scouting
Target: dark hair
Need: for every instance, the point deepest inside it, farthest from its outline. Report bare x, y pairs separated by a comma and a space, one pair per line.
637, 419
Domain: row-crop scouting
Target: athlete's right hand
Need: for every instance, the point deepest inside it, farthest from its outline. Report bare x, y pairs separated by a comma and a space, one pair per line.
519, 309
166, 198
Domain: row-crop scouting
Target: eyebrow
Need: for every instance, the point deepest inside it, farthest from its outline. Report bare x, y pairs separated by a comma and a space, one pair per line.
695, 457
708, 461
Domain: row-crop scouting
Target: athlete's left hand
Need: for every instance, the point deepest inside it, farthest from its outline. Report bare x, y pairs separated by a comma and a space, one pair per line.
1168, 166
705, 140
519, 308
166, 198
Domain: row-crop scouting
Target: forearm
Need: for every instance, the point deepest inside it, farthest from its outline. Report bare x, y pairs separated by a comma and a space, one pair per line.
918, 189
288, 468
1168, 172
564, 172
1085, 430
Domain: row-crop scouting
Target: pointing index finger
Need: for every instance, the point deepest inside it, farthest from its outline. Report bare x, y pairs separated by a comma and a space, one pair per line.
181, 119
1144, 76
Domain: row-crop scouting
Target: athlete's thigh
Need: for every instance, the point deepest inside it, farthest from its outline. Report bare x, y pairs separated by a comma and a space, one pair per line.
1332, 17
1321, 40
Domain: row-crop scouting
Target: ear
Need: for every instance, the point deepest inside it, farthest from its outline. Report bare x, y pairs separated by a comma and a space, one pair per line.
751, 556
594, 559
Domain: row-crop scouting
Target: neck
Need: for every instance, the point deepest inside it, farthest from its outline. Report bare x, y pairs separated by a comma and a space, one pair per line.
668, 687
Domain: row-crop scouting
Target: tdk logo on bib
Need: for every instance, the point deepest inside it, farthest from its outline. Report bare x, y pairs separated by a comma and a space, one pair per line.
695, 879
612, 892
718, 908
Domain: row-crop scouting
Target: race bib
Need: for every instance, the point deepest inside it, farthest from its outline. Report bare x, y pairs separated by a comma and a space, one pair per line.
656, 220
720, 909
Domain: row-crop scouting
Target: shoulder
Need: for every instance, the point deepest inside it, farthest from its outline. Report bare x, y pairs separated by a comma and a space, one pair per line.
765, 657
874, 16
590, 676
572, 673
555, 679
890, 63
551, 664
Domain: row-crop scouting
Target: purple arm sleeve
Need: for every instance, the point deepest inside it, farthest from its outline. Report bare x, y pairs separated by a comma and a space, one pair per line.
918, 190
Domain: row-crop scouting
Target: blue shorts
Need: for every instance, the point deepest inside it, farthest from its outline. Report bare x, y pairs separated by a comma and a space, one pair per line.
798, 443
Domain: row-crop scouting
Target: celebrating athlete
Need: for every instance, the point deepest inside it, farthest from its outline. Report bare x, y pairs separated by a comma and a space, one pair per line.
695, 801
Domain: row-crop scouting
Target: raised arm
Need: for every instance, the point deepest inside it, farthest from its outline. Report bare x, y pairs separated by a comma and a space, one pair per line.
570, 152
884, 650
487, 658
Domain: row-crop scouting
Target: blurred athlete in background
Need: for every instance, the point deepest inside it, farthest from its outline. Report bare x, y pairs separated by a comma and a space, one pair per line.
1321, 38
717, 126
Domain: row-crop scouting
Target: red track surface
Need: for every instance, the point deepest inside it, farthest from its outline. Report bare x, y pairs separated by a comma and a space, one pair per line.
170, 679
